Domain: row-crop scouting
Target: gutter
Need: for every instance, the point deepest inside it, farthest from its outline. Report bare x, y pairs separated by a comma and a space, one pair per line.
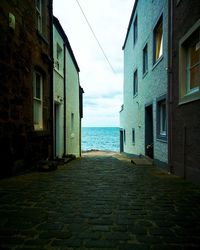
170, 84
52, 127
65, 101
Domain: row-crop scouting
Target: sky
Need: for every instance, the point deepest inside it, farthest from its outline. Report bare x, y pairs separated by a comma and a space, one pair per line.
102, 83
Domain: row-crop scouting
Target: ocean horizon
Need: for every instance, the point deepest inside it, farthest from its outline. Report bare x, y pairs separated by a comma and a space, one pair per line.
100, 138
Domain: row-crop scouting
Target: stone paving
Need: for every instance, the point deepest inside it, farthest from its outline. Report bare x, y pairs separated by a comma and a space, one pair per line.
99, 202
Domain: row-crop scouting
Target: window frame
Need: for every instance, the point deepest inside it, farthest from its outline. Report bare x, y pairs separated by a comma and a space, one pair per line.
38, 100
145, 59
133, 136
159, 24
124, 135
135, 30
135, 83
161, 134
39, 15
58, 62
186, 96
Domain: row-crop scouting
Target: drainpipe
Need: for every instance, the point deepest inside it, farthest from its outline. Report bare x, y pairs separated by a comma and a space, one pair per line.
184, 151
52, 127
170, 84
65, 101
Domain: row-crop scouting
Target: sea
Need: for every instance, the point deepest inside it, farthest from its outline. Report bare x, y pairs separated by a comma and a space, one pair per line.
100, 138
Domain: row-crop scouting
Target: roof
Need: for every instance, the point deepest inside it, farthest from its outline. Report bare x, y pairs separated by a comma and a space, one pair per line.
130, 22
66, 41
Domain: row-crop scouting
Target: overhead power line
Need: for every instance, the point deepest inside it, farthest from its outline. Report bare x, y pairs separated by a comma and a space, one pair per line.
95, 37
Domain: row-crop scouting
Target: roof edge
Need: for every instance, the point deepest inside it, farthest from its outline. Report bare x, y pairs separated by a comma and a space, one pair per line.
130, 22
66, 40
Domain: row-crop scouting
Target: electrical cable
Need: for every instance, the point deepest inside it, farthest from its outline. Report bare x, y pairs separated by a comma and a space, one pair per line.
95, 37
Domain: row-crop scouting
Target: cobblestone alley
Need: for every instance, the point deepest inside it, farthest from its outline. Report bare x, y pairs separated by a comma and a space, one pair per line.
99, 202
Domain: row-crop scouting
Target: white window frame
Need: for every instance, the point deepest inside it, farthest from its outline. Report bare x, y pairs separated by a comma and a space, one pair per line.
37, 102
39, 15
163, 126
161, 110
188, 76
185, 93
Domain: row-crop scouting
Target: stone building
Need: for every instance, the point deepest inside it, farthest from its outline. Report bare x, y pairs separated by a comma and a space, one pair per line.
26, 83
67, 96
184, 89
143, 118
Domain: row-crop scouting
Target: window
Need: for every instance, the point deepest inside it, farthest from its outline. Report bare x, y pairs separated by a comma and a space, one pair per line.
58, 57
124, 136
135, 83
72, 121
37, 101
145, 59
162, 119
158, 40
135, 31
40, 16
133, 136
189, 65
193, 67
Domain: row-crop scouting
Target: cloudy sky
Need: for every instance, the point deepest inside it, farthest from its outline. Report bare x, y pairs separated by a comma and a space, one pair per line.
102, 86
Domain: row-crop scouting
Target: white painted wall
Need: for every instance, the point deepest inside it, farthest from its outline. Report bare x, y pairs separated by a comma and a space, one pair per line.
58, 83
72, 107
150, 87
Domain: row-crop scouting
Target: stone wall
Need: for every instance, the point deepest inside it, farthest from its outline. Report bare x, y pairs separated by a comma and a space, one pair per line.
23, 50
185, 126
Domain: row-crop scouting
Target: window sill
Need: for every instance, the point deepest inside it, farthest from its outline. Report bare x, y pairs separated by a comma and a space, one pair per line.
59, 72
157, 62
144, 75
189, 98
162, 139
42, 37
134, 96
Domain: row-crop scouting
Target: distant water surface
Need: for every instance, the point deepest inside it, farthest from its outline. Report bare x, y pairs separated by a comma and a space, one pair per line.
100, 138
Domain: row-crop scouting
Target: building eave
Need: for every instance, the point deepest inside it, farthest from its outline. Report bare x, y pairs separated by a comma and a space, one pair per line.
66, 41
130, 22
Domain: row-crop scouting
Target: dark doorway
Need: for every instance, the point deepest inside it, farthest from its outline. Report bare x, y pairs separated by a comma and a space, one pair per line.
121, 140
149, 131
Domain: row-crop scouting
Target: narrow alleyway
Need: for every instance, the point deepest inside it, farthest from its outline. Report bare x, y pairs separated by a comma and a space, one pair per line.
99, 202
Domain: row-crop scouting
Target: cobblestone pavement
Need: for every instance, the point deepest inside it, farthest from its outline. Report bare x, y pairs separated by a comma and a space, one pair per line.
99, 202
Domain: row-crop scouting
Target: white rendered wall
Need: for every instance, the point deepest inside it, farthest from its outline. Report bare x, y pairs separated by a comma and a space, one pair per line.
58, 92
72, 106
150, 87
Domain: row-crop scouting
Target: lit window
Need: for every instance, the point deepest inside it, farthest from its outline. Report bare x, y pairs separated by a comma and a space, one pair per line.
135, 83
37, 101
145, 59
158, 40
193, 67
189, 65
135, 31
162, 119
